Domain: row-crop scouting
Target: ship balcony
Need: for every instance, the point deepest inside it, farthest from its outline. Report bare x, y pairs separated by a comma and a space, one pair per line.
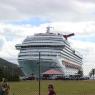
37, 57
18, 46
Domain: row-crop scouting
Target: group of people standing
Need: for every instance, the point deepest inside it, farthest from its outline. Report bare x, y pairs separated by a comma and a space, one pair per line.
4, 87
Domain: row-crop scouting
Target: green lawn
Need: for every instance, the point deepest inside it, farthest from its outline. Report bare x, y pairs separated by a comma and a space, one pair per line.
61, 87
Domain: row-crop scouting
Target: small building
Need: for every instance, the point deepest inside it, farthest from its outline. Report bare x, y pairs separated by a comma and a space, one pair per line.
52, 74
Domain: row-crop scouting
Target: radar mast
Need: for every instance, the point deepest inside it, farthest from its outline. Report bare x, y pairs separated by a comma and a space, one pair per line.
48, 29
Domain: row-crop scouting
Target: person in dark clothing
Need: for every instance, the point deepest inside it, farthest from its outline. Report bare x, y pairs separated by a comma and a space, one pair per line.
5, 87
51, 90
1, 90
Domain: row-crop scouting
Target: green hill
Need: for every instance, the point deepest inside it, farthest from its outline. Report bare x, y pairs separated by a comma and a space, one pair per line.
9, 70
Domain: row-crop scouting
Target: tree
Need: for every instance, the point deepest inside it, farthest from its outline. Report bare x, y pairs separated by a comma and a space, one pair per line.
80, 73
1, 74
92, 73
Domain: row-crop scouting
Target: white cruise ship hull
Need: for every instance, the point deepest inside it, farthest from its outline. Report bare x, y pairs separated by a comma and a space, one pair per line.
31, 66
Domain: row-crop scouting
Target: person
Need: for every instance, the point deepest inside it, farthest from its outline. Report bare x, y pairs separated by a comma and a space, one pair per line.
51, 90
5, 87
1, 84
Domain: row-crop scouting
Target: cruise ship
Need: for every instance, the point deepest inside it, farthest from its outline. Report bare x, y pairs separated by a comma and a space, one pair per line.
55, 53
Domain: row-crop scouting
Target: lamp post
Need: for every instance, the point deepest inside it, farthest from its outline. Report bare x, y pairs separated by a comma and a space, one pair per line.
39, 74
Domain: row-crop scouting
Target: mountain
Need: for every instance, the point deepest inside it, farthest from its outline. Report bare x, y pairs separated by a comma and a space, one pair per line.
9, 70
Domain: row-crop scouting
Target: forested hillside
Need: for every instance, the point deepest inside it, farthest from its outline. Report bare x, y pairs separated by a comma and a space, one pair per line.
9, 70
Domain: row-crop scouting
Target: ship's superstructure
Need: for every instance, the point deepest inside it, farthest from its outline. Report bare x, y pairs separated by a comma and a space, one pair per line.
55, 53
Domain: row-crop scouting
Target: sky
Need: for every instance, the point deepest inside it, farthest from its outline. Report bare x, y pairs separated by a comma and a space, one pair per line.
22, 18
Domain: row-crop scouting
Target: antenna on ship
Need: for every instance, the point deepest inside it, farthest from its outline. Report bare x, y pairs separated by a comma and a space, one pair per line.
48, 29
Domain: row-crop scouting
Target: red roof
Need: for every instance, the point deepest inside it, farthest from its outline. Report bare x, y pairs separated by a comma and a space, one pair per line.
53, 72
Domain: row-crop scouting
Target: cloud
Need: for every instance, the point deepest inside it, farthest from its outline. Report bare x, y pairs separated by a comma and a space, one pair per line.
87, 1
79, 28
2, 41
54, 10
8, 51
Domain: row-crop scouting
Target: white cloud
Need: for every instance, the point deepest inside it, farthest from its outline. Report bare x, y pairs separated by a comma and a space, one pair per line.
64, 10
79, 28
2, 41
88, 1
84, 7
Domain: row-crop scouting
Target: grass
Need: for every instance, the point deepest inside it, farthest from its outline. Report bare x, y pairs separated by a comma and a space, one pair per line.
61, 87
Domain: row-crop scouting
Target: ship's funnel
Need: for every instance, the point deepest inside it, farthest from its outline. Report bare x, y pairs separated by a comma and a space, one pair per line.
69, 35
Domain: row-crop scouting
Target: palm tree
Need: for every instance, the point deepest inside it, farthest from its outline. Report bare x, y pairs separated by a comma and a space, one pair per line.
92, 73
